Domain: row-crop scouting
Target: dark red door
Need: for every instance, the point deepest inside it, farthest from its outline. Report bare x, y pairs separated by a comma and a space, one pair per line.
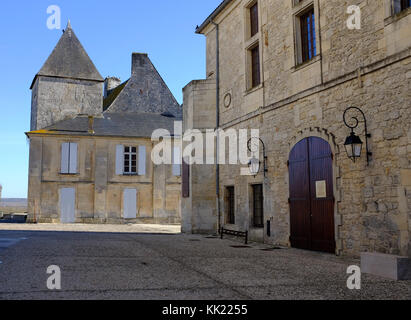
312, 196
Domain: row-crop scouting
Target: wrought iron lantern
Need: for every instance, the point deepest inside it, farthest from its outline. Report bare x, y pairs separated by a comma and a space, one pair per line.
353, 144
255, 164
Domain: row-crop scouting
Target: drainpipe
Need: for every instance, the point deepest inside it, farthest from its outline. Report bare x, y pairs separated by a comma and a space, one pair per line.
217, 122
320, 43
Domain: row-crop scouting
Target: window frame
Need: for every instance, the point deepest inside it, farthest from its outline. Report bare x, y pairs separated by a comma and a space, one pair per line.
230, 205
185, 177
254, 19
132, 170
69, 171
308, 35
298, 11
258, 224
255, 66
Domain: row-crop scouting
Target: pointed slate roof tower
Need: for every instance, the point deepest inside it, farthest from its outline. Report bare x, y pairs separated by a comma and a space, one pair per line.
69, 60
68, 84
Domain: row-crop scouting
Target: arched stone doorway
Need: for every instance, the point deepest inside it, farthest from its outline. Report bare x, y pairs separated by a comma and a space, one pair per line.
312, 199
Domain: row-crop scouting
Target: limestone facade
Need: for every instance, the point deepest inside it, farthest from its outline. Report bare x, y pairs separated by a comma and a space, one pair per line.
90, 150
99, 189
369, 68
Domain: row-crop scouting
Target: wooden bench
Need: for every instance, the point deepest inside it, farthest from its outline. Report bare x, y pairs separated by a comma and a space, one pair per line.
235, 233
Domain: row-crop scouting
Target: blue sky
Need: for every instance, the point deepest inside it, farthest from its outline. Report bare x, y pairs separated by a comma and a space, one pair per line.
110, 31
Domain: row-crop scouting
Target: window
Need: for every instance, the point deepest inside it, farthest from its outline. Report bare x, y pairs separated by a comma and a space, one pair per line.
308, 41
254, 19
400, 5
69, 158
255, 66
126, 160
186, 179
230, 205
405, 4
258, 206
176, 162
130, 160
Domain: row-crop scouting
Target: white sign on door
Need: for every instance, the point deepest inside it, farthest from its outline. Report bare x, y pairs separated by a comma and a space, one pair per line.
321, 189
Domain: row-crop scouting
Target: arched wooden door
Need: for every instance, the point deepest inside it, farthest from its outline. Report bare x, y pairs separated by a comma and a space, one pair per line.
312, 196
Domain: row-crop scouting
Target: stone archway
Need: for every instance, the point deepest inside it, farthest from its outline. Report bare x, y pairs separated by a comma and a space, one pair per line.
330, 139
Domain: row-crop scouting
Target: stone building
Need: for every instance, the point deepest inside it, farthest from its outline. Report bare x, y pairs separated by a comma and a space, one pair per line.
90, 149
291, 68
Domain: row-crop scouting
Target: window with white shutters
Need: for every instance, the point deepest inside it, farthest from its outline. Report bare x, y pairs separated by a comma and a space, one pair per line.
131, 160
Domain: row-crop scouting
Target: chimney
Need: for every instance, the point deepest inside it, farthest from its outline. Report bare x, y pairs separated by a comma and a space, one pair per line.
91, 125
139, 62
110, 83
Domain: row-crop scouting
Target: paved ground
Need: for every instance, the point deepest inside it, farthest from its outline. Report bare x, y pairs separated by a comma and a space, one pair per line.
155, 262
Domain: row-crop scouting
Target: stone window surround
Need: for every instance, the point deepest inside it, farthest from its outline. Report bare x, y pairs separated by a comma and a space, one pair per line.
247, 19
297, 10
226, 204
251, 204
249, 44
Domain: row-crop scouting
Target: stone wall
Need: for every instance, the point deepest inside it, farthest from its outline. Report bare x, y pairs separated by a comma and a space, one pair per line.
99, 191
368, 68
56, 99
199, 210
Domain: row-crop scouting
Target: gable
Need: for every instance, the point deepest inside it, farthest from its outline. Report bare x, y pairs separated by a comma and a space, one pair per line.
145, 92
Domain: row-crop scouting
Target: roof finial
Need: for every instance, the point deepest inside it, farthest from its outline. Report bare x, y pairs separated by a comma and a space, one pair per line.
68, 24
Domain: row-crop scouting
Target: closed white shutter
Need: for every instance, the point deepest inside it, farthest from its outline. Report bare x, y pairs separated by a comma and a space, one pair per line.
65, 151
177, 162
130, 203
73, 158
119, 160
142, 156
67, 205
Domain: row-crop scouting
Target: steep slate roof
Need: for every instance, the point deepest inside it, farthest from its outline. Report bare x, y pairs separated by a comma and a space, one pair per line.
145, 91
69, 60
113, 125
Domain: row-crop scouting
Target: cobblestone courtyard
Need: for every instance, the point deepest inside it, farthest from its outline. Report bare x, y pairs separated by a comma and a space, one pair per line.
156, 262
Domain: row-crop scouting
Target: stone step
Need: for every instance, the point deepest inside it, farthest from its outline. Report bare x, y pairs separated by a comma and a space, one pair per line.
386, 265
